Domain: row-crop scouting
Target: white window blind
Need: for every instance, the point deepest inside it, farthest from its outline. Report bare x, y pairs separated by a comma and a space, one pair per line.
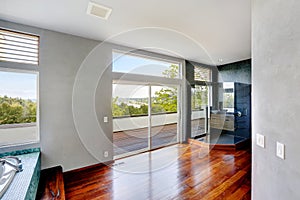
19, 47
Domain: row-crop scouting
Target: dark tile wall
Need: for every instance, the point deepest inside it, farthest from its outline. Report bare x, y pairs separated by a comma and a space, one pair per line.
236, 72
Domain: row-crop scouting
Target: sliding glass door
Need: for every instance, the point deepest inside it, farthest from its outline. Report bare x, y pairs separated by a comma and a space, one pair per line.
201, 101
164, 115
130, 118
200, 109
145, 117
146, 101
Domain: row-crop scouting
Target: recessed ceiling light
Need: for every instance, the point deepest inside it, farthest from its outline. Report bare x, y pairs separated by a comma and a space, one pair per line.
97, 10
220, 60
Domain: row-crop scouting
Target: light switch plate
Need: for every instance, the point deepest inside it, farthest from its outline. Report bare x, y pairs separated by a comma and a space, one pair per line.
260, 140
105, 154
105, 119
280, 150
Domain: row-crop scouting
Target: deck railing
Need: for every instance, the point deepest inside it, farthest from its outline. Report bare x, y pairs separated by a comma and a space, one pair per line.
141, 121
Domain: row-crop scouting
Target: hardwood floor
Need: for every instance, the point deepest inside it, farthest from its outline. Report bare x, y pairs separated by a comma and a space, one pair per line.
182, 171
137, 139
51, 184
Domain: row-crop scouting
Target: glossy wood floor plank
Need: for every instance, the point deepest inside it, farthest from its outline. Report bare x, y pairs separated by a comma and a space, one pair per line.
51, 184
182, 171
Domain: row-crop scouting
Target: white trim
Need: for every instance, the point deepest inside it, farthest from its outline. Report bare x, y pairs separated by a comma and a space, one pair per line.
184, 107
149, 118
179, 111
124, 78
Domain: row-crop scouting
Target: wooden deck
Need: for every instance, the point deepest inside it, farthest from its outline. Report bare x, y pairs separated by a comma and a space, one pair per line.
134, 140
182, 171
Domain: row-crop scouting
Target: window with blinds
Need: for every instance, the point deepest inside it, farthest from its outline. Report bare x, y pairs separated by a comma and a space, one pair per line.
202, 74
19, 47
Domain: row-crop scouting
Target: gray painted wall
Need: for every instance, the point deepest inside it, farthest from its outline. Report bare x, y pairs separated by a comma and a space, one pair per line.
75, 90
61, 56
276, 105
236, 72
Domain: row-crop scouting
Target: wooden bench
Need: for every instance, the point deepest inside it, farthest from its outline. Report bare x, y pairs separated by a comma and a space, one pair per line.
51, 185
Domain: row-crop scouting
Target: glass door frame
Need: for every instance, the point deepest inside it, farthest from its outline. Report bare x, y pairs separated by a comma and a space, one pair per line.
142, 79
208, 106
178, 129
149, 138
210, 78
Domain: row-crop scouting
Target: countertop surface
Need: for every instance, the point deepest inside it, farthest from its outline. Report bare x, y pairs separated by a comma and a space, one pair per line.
21, 182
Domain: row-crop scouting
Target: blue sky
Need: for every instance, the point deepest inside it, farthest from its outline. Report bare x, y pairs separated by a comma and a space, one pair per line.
23, 85
138, 65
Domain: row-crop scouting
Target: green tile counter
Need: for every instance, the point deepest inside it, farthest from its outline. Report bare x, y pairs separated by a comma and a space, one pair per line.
25, 183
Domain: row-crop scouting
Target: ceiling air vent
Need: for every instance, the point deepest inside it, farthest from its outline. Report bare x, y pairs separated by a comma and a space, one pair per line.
98, 10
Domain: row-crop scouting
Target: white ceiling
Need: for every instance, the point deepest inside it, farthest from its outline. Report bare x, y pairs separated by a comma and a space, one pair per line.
198, 30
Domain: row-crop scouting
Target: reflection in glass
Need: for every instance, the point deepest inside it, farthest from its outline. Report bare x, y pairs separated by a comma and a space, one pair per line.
200, 100
228, 96
202, 74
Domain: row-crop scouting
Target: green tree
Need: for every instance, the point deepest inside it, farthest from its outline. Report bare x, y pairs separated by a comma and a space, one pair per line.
172, 72
165, 100
17, 110
123, 109
116, 109
228, 100
199, 97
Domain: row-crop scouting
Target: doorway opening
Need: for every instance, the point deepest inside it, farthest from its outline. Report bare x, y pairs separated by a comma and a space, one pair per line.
146, 103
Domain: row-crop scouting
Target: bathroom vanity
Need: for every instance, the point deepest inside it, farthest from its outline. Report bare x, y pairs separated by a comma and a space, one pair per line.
25, 183
222, 121
234, 113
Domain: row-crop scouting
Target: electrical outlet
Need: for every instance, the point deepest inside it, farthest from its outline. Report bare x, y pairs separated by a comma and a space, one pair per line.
105, 154
280, 150
260, 140
105, 119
